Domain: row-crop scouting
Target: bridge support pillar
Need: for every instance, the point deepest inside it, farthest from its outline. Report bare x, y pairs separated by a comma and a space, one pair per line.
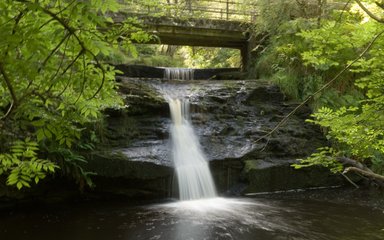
245, 56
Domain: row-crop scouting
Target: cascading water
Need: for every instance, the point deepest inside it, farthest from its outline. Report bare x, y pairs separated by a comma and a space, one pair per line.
178, 73
192, 170
193, 174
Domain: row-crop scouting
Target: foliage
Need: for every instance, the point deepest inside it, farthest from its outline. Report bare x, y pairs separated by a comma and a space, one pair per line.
282, 61
53, 80
304, 55
22, 164
356, 128
180, 56
271, 14
359, 129
72, 164
199, 57
325, 157
155, 55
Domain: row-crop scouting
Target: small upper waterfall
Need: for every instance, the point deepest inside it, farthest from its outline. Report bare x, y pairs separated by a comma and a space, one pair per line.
178, 73
193, 174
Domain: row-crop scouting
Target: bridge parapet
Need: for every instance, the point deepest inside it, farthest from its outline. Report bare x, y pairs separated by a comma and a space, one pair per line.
230, 10
205, 23
196, 32
193, 32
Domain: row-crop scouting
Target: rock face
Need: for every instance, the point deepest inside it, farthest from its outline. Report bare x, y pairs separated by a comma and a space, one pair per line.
229, 117
141, 71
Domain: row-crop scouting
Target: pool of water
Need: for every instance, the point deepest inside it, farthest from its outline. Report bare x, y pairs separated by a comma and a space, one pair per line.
219, 218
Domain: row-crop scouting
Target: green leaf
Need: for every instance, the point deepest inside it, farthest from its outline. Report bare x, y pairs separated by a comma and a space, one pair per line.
40, 134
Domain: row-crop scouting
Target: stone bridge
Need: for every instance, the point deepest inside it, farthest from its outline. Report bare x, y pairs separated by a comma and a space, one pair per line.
197, 32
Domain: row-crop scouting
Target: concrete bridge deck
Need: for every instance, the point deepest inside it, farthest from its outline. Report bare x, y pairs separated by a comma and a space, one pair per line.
196, 32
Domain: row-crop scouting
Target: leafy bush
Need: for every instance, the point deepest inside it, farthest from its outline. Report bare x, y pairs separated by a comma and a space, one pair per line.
53, 78
22, 164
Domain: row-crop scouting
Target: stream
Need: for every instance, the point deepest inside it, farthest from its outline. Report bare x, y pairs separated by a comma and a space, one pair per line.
218, 218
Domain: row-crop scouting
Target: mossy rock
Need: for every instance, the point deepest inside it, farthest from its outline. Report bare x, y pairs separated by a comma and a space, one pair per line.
267, 175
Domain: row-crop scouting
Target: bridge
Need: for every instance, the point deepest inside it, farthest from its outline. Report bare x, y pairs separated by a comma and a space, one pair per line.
206, 23
192, 23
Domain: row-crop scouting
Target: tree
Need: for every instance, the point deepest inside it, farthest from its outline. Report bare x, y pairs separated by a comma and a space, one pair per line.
53, 81
357, 128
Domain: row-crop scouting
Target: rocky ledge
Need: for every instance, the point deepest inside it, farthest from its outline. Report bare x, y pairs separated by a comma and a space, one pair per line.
229, 117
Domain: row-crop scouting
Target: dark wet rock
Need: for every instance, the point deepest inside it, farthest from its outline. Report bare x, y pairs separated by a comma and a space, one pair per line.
122, 173
229, 117
141, 98
265, 175
134, 158
121, 165
230, 75
265, 95
140, 71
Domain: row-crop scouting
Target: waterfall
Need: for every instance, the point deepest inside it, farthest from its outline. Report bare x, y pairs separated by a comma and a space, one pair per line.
193, 174
178, 73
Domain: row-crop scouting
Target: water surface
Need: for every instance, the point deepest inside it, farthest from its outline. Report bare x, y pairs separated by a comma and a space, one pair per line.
246, 218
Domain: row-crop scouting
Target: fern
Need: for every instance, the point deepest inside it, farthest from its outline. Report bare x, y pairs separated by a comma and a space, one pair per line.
23, 165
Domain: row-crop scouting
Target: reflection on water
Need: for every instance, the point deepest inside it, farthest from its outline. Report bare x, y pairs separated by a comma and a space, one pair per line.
260, 219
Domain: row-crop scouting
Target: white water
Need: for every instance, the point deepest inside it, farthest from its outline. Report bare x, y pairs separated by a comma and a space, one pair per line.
193, 174
178, 74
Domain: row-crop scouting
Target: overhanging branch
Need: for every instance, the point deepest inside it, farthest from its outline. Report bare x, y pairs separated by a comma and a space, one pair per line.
373, 16
368, 174
72, 31
328, 84
10, 89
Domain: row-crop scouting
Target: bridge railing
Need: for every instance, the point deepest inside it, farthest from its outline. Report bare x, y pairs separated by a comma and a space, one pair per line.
233, 10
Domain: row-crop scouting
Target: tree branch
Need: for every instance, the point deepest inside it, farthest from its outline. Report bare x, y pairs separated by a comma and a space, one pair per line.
370, 175
342, 11
329, 83
73, 61
10, 89
380, 5
354, 163
349, 180
83, 82
54, 50
373, 16
60, 65
81, 43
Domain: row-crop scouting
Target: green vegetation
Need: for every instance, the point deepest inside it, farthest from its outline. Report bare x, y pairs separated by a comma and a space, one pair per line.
307, 52
56, 78
179, 56
54, 83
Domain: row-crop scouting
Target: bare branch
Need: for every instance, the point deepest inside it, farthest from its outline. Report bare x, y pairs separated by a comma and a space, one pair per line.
67, 85
380, 5
373, 16
349, 180
342, 11
354, 163
60, 65
81, 52
370, 175
66, 7
54, 50
84, 80
98, 64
